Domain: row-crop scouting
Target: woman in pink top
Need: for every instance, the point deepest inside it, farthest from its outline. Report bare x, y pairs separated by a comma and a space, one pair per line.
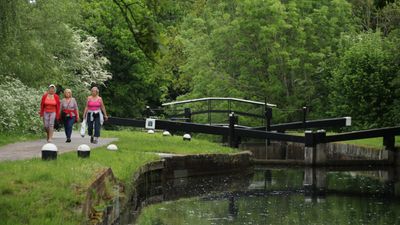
95, 113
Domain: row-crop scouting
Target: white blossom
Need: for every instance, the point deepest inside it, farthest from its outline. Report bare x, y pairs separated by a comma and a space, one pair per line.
91, 63
19, 106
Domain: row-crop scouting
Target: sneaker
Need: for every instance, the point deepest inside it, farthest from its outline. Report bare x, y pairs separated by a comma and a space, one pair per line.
95, 141
68, 140
91, 139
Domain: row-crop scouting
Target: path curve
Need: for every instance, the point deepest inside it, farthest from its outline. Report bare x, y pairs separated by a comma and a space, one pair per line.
32, 149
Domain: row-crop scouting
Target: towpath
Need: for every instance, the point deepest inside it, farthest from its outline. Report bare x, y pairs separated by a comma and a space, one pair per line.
32, 149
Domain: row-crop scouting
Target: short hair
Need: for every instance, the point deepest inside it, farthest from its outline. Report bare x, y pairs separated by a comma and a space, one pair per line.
96, 89
68, 90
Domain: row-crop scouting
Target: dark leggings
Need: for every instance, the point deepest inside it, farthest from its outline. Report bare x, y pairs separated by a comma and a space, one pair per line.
95, 123
68, 124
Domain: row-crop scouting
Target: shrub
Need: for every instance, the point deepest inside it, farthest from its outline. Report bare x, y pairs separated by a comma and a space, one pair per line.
19, 106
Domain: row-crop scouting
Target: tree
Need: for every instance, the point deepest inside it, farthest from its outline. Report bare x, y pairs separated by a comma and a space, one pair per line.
365, 83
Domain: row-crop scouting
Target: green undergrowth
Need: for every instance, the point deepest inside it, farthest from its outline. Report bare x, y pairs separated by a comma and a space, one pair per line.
51, 192
8, 138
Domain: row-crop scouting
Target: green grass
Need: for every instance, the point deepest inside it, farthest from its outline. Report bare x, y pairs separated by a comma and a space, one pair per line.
51, 192
7, 138
369, 142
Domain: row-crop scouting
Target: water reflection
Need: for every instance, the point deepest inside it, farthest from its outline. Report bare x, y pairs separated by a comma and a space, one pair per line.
281, 196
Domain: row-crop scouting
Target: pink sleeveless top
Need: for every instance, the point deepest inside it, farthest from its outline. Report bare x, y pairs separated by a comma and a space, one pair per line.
94, 105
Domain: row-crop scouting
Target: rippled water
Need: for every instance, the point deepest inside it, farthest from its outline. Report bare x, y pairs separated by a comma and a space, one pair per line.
282, 196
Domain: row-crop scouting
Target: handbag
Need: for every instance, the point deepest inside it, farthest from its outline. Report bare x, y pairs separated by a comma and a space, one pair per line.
63, 114
83, 128
57, 126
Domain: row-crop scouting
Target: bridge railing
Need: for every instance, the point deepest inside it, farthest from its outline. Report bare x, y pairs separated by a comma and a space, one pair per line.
303, 125
314, 152
187, 114
232, 131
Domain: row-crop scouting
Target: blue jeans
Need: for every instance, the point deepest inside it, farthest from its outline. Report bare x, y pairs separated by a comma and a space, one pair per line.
68, 124
94, 124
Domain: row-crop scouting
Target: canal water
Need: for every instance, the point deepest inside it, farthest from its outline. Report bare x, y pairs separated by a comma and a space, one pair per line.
276, 196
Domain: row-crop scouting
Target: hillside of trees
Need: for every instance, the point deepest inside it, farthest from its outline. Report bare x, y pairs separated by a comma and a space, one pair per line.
337, 57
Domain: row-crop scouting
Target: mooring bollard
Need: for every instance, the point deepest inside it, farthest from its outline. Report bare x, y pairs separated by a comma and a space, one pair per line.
83, 151
166, 133
187, 137
49, 151
112, 147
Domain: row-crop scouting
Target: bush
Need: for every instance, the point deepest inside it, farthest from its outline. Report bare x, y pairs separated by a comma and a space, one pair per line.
365, 82
19, 106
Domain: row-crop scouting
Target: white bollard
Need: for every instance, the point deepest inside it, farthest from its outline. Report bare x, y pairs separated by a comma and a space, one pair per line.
83, 151
49, 151
187, 137
112, 147
166, 133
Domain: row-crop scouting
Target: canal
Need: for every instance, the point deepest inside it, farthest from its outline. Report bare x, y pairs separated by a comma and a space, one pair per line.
274, 196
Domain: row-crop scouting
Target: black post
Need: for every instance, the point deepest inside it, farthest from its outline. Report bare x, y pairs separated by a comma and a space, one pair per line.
232, 138
389, 143
148, 111
309, 148
209, 111
188, 115
304, 116
268, 117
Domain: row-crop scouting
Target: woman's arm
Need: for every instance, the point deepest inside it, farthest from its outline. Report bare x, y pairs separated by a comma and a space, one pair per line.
103, 108
42, 104
77, 110
86, 109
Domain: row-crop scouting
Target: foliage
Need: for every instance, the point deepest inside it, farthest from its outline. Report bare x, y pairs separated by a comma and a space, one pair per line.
157, 51
41, 45
19, 109
90, 68
365, 81
255, 49
132, 85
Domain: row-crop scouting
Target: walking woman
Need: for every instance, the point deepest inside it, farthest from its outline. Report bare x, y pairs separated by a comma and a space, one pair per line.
69, 112
50, 110
95, 113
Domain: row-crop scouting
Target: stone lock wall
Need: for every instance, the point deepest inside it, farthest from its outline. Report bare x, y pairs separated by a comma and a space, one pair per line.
106, 198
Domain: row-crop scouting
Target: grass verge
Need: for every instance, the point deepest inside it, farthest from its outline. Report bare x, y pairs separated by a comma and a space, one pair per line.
51, 192
369, 142
7, 138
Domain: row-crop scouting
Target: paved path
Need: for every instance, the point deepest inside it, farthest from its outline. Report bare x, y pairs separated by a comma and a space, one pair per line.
32, 149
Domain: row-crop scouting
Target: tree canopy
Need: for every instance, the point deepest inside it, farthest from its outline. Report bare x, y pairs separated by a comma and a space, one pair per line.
337, 57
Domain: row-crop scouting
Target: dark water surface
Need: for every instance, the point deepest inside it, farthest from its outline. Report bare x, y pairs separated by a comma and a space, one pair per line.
278, 196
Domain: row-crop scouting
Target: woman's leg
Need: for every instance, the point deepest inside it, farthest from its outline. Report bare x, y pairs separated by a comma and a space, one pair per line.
97, 126
46, 126
71, 122
66, 126
52, 117
90, 127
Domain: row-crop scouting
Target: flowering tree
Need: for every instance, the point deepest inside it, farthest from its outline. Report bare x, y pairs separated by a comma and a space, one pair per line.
18, 106
91, 65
